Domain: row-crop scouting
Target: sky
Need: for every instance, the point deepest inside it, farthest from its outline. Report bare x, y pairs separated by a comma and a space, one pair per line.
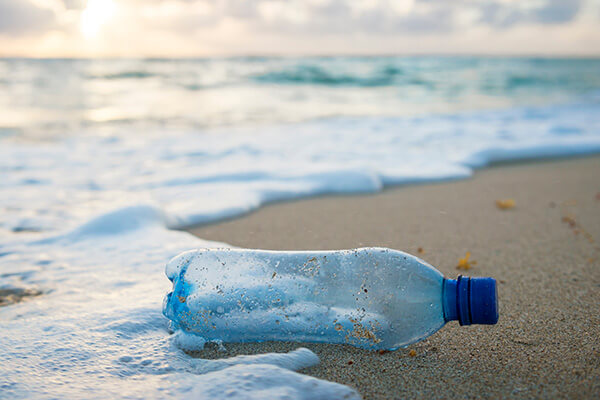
191, 28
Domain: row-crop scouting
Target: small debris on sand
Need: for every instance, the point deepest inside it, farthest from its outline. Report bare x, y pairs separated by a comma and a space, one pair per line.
464, 263
569, 220
505, 204
412, 353
577, 228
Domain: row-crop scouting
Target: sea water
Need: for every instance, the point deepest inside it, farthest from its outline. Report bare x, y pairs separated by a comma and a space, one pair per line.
101, 159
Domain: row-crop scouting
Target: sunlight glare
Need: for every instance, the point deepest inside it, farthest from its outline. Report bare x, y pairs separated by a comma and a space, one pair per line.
95, 14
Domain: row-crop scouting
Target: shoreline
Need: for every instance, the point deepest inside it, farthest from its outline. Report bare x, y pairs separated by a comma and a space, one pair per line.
543, 253
191, 228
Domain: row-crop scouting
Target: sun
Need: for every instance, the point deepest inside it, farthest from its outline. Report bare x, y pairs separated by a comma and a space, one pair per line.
95, 14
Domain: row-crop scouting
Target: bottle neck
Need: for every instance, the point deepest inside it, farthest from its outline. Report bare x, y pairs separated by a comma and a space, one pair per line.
452, 299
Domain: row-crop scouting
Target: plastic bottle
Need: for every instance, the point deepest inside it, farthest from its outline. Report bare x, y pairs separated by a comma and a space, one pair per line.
372, 298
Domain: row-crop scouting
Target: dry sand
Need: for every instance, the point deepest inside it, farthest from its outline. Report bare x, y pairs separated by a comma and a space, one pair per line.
545, 253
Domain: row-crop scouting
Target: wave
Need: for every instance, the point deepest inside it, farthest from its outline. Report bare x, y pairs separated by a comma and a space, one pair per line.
222, 92
124, 75
203, 178
319, 75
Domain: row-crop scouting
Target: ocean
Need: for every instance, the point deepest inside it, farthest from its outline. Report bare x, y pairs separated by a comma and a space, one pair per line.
101, 161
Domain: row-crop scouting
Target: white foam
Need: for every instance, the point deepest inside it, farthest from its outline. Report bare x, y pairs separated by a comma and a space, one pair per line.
98, 331
268, 382
85, 220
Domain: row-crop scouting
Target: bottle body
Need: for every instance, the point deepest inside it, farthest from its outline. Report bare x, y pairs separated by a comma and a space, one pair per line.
371, 298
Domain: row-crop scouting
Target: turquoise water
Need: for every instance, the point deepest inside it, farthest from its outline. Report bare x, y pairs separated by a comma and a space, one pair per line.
47, 98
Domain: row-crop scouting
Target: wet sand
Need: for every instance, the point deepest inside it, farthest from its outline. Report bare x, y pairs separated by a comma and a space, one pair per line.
544, 252
12, 295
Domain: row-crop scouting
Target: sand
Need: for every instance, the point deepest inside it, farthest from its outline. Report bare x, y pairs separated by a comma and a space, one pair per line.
12, 295
545, 253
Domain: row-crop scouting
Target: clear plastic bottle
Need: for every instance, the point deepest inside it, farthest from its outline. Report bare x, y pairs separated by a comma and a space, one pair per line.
372, 298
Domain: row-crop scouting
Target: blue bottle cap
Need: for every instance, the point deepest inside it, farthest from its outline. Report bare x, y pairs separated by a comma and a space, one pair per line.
484, 301
471, 300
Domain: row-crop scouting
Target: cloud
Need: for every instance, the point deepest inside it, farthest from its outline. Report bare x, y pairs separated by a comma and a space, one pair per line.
369, 16
505, 15
302, 26
20, 17
311, 17
301, 17
420, 17
342, 16
557, 11
74, 4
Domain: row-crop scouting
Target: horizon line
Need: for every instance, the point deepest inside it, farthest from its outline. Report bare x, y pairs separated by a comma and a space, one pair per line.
308, 55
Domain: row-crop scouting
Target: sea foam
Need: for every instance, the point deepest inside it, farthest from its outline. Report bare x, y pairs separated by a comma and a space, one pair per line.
98, 331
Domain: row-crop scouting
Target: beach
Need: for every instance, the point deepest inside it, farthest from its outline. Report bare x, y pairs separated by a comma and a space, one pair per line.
544, 253
104, 173
154, 154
